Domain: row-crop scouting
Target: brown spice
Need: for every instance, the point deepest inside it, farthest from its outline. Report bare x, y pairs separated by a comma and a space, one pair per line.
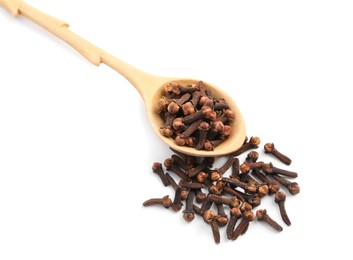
248, 187
157, 169
200, 183
292, 187
252, 157
248, 216
268, 168
210, 218
222, 218
184, 108
253, 143
261, 215
177, 205
270, 148
165, 202
280, 198
231, 202
189, 213
235, 214
273, 186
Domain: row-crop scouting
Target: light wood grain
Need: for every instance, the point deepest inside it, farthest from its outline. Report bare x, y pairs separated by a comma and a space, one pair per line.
149, 86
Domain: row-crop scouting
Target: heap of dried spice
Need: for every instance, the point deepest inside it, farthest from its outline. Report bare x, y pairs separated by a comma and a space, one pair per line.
205, 191
193, 117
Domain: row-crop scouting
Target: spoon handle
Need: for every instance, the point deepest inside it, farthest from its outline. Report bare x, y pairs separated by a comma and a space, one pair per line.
91, 52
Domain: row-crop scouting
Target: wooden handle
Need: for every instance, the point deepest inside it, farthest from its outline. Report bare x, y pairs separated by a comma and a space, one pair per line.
92, 53
56, 27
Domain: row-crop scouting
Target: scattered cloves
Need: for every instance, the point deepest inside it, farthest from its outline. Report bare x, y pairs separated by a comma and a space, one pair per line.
200, 183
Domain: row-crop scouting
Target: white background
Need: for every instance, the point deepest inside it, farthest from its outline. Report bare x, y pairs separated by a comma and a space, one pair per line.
76, 148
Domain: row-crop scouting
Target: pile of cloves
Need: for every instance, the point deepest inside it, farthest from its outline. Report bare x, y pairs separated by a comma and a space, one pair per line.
193, 117
208, 193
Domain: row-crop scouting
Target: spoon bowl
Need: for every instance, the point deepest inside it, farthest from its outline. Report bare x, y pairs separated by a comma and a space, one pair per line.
234, 141
150, 87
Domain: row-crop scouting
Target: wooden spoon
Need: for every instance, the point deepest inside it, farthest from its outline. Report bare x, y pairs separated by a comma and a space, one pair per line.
150, 87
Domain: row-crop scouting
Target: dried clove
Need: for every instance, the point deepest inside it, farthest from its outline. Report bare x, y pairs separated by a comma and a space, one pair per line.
235, 214
247, 167
252, 157
253, 143
248, 216
200, 195
180, 162
184, 192
268, 168
170, 165
222, 218
248, 187
191, 185
157, 169
292, 187
231, 202
273, 186
176, 204
218, 173
206, 205
189, 213
234, 193
210, 218
270, 148
280, 198
165, 202
235, 168
203, 129
261, 215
